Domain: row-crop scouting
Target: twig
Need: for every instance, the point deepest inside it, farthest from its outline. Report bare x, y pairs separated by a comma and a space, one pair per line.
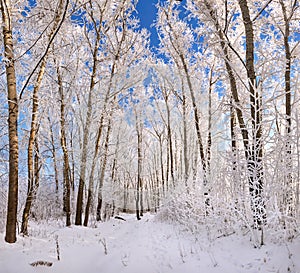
119, 218
226, 235
57, 248
44, 263
103, 241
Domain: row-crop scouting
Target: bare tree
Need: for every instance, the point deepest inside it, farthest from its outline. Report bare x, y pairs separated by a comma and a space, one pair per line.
63, 141
139, 189
255, 166
176, 37
54, 154
288, 199
32, 187
97, 29
12, 99
252, 149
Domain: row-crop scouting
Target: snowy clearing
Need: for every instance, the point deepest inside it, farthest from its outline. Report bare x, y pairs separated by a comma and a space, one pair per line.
147, 246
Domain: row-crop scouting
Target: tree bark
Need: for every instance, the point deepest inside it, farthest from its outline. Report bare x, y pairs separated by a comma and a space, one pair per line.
53, 151
161, 159
253, 153
209, 137
255, 167
66, 164
181, 63
185, 141
170, 142
103, 167
232, 80
232, 133
170, 154
98, 32
86, 133
139, 200
97, 147
288, 196
32, 188
12, 205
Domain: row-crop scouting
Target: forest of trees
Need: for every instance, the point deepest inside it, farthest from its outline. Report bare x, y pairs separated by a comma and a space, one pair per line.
95, 121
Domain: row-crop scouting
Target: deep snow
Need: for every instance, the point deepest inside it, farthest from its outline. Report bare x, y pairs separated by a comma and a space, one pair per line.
146, 246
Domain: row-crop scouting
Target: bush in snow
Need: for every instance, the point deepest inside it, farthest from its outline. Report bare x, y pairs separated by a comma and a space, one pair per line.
224, 216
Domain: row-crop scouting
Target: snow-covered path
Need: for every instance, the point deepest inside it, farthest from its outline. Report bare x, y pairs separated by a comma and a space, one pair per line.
145, 246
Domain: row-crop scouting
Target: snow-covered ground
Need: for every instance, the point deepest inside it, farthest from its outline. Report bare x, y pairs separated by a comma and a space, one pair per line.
146, 246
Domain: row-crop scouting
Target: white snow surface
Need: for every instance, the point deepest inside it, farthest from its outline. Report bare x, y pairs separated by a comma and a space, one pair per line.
145, 246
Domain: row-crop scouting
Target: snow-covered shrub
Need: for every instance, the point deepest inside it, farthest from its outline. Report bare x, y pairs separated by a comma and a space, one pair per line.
224, 217
47, 205
281, 227
182, 207
187, 207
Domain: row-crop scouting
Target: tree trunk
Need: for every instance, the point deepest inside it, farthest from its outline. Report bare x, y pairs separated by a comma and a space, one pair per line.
139, 200
170, 142
86, 133
209, 137
98, 32
255, 167
232, 133
37, 165
181, 63
12, 205
31, 192
232, 80
288, 197
103, 167
185, 141
198, 131
253, 153
97, 147
170, 153
53, 151
91, 178
66, 164
72, 168
162, 164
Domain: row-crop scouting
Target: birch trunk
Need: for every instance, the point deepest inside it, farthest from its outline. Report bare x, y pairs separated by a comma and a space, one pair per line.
32, 188
12, 205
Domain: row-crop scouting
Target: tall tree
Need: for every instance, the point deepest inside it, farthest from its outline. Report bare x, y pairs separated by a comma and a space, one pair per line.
54, 154
255, 165
122, 48
12, 99
139, 189
59, 16
288, 103
103, 168
178, 43
252, 146
94, 47
63, 141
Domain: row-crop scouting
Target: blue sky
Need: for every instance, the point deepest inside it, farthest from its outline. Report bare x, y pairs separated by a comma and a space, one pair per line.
147, 13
